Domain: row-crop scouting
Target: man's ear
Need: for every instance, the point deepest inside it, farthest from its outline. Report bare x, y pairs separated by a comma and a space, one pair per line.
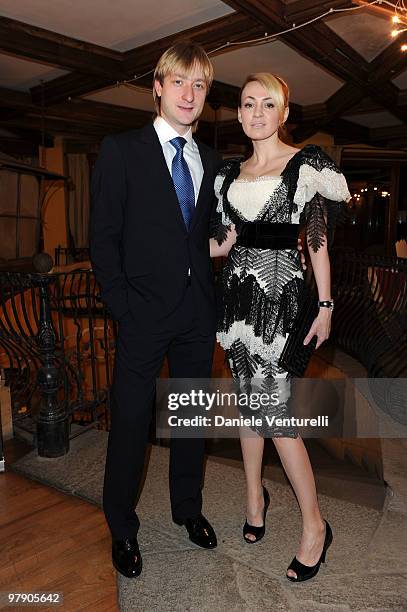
157, 87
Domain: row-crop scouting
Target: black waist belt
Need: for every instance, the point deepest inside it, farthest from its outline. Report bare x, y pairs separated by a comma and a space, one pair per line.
276, 236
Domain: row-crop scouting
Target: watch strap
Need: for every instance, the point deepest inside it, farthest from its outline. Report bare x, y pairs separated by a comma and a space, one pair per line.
326, 304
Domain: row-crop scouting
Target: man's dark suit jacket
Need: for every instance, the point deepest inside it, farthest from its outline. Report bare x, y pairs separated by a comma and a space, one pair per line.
141, 250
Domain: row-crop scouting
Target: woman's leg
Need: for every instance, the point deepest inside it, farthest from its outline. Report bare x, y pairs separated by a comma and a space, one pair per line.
296, 463
252, 450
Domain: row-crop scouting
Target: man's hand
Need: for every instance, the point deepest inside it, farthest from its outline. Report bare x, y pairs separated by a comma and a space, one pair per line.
299, 247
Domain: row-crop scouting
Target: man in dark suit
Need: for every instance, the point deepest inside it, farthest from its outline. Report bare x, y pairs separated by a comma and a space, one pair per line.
152, 194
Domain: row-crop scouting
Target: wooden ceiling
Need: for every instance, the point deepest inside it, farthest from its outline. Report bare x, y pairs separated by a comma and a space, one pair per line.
58, 106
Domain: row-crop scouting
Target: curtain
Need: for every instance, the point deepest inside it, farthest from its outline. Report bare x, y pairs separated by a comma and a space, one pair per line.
79, 205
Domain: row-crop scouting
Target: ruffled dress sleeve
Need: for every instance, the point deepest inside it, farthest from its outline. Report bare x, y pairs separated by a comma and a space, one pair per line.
320, 196
221, 218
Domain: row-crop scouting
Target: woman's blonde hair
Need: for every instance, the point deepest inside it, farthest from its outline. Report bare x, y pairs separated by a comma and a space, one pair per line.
275, 86
182, 57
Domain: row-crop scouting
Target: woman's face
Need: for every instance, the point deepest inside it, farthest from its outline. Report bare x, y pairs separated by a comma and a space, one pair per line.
258, 115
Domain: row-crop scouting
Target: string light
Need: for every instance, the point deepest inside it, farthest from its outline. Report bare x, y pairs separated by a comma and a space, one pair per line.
266, 38
361, 194
398, 13
400, 19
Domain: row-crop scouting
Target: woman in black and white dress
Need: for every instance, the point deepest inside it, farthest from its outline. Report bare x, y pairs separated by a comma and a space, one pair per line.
265, 200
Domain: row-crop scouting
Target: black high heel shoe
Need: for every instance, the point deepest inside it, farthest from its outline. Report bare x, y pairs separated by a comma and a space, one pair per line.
258, 532
305, 572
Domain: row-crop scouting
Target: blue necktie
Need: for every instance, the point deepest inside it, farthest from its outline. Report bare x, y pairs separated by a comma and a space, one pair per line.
183, 181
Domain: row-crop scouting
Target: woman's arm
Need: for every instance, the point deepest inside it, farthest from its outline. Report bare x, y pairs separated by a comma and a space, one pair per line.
222, 250
321, 326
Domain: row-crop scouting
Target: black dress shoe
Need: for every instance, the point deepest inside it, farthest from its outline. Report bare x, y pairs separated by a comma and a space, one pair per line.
200, 531
126, 557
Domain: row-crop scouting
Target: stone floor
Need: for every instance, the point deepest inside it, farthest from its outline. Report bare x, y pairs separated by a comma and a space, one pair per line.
366, 566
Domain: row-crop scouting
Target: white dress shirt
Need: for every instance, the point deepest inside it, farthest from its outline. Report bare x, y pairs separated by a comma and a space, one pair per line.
165, 133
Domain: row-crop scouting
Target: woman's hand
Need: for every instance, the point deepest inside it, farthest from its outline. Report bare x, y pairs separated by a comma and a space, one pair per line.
222, 250
321, 327
231, 239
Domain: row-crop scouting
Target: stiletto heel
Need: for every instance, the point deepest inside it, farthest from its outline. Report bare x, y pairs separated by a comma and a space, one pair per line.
305, 572
257, 532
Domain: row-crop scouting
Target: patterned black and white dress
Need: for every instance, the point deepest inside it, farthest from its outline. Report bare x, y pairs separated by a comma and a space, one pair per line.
260, 287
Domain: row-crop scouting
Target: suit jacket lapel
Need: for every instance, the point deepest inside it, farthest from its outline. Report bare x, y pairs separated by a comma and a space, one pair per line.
149, 136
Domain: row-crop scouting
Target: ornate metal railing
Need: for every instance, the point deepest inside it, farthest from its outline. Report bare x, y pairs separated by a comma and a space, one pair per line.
370, 319
57, 339
56, 347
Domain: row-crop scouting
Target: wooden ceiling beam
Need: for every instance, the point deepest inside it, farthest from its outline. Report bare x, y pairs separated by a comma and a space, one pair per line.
267, 12
29, 42
210, 35
348, 130
389, 133
61, 127
35, 137
100, 112
390, 62
354, 132
15, 99
10, 113
143, 59
306, 130
319, 43
314, 112
343, 99
85, 110
338, 104
66, 87
316, 42
302, 10
384, 94
402, 98
17, 146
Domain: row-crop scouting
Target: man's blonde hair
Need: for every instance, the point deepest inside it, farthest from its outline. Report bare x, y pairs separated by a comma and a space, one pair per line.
275, 86
182, 57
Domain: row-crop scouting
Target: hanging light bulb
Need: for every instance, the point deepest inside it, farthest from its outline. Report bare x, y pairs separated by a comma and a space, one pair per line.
399, 19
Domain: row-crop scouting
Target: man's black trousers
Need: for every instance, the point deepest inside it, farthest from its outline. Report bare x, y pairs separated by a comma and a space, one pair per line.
139, 357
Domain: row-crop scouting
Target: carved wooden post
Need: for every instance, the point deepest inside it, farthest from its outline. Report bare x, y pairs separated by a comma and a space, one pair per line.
52, 421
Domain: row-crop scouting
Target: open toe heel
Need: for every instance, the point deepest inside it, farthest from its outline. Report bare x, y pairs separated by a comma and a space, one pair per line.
257, 532
305, 572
